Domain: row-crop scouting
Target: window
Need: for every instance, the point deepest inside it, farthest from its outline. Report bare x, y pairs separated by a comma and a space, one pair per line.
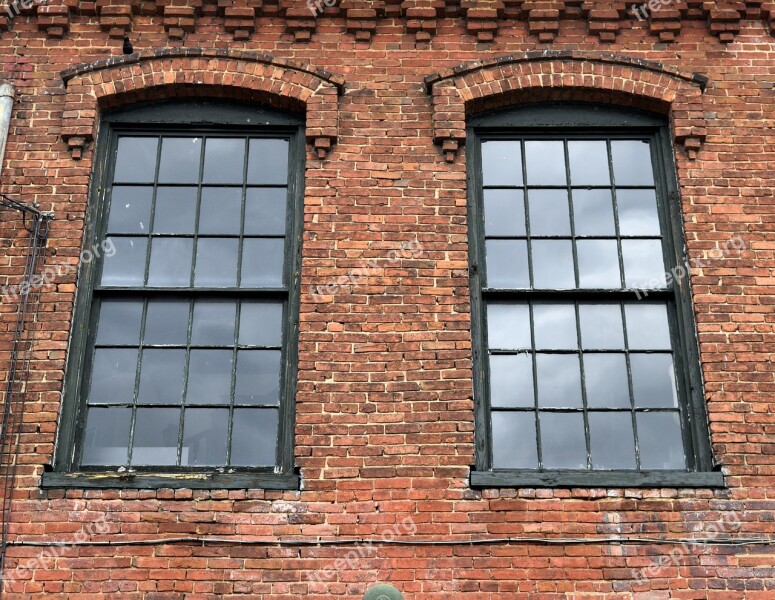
587, 372
186, 365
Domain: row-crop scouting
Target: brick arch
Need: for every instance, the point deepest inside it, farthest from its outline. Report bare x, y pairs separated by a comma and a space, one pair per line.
196, 72
562, 75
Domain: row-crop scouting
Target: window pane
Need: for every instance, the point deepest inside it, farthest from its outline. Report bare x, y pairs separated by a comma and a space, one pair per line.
504, 213
170, 262
555, 326
180, 160
508, 326
545, 163
611, 440
514, 440
588, 162
175, 210
605, 380
216, 262
265, 211
598, 264
254, 437
106, 439
653, 381
601, 326
507, 264
136, 159
511, 380
224, 160
113, 376
161, 376
593, 212
638, 212
563, 445
553, 264
659, 441
549, 212
268, 162
156, 436
262, 262
209, 377
632, 162
258, 377
127, 265
644, 266
221, 211
647, 326
166, 322
559, 380
130, 209
261, 324
214, 322
501, 163
119, 322
205, 437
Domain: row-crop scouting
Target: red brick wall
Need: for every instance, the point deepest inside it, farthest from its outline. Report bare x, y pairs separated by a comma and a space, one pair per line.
385, 424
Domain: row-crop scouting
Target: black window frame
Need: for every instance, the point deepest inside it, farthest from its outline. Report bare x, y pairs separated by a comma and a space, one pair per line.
553, 120
183, 117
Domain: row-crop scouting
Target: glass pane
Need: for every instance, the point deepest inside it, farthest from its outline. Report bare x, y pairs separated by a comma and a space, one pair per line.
647, 326
501, 163
265, 211
119, 322
605, 380
214, 322
593, 212
106, 439
261, 324
262, 262
653, 381
555, 326
258, 377
161, 377
221, 211
659, 441
170, 262
113, 376
514, 440
588, 162
559, 380
545, 163
156, 436
638, 212
166, 322
601, 326
549, 212
508, 326
209, 377
175, 210
254, 437
130, 209
216, 262
507, 264
563, 444
553, 264
268, 162
598, 264
511, 380
127, 265
136, 159
205, 437
224, 160
504, 213
643, 264
180, 160
632, 162
611, 440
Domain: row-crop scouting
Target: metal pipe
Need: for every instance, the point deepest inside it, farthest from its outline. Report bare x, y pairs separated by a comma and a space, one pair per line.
7, 93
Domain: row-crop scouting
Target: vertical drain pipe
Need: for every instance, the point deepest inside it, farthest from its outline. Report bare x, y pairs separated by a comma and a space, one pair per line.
6, 106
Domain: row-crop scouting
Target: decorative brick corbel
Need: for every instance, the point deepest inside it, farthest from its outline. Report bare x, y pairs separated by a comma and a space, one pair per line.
179, 16
665, 24
300, 21
421, 17
724, 23
240, 21
54, 18
114, 17
361, 18
768, 14
691, 141
604, 22
482, 18
543, 18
